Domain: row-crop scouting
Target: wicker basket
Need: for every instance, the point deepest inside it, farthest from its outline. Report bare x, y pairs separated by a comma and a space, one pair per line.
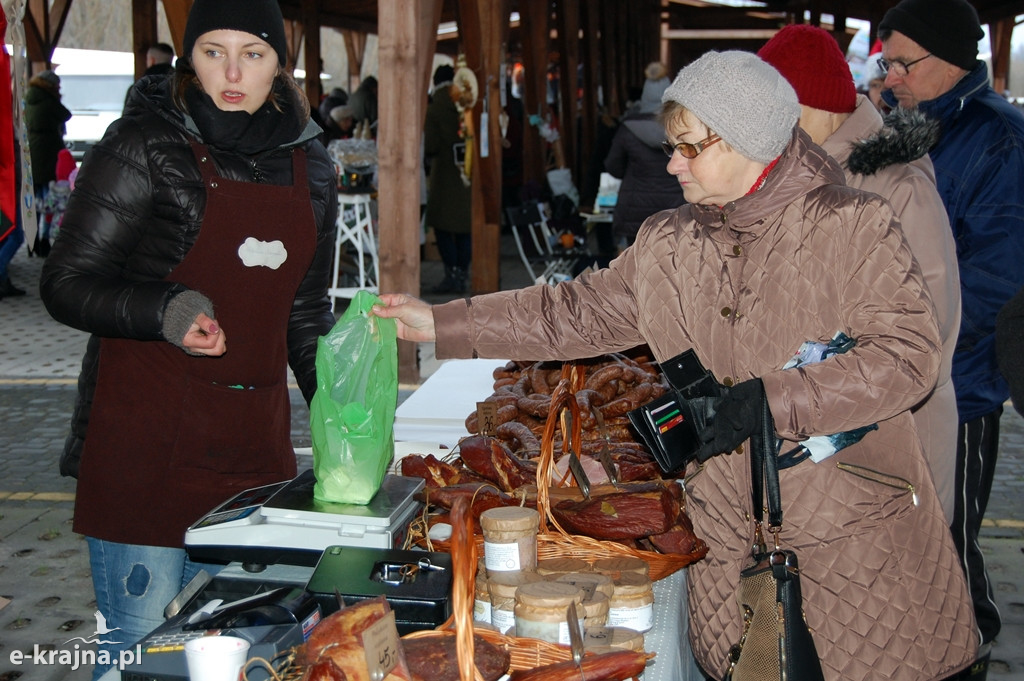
554, 541
524, 653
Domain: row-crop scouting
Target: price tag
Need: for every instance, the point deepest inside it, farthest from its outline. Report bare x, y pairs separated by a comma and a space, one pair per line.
487, 417
380, 643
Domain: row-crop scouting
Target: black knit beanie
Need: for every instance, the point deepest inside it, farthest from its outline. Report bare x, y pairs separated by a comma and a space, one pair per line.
261, 18
445, 73
949, 29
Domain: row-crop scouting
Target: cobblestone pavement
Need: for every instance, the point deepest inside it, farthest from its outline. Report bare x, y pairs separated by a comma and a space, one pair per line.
44, 569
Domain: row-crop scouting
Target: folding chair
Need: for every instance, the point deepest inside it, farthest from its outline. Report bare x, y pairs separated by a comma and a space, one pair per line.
546, 260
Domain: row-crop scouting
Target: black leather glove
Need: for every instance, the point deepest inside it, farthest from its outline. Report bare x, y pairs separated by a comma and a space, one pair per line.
735, 419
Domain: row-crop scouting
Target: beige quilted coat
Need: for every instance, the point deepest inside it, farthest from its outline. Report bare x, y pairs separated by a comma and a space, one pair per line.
910, 190
744, 286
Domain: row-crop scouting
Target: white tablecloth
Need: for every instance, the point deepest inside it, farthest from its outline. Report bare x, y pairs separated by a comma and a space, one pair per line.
436, 412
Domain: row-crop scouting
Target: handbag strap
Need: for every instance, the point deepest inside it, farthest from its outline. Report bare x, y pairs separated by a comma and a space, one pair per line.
764, 470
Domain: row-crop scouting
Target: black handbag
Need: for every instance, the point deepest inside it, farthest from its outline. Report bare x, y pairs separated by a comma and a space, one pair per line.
776, 643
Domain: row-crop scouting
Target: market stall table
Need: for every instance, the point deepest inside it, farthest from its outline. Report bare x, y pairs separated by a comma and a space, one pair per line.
437, 411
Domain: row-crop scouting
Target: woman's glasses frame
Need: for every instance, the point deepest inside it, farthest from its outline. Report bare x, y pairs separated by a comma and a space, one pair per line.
688, 150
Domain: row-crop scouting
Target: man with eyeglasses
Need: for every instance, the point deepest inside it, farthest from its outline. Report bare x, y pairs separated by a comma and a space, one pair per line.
930, 53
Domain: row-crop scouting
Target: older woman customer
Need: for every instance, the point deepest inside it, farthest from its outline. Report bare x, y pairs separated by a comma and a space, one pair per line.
203, 220
771, 250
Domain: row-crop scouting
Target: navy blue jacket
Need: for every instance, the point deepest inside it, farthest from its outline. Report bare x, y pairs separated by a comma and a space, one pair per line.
979, 171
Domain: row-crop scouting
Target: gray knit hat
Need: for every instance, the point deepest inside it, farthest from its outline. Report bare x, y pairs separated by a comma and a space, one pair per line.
742, 99
50, 77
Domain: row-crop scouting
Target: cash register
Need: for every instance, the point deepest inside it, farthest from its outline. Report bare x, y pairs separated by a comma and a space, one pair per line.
292, 560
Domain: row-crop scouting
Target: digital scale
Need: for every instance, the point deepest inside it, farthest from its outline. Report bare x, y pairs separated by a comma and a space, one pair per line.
283, 523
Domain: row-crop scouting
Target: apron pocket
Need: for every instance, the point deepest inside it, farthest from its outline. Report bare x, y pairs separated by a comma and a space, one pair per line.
232, 430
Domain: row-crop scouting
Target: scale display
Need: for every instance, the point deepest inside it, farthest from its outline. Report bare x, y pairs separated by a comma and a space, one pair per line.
283, 523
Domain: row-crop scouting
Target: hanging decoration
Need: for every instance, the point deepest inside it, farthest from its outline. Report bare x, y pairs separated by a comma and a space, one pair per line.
464, 92
8, 204
14, 13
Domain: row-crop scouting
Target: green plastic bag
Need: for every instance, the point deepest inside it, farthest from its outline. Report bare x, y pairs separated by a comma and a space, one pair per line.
352, 414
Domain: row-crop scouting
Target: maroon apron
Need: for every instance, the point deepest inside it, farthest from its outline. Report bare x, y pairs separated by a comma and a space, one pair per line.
172, 435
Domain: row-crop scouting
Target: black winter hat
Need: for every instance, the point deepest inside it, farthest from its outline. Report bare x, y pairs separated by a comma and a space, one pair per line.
444, 74
261, 18
949, 29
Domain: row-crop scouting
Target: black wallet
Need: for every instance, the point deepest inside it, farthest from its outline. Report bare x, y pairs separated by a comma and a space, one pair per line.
670, 425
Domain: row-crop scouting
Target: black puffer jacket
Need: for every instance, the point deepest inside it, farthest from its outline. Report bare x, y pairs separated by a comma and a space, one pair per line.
136, 211
636, 157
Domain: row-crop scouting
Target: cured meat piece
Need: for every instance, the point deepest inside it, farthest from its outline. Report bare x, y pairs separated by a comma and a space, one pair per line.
437, 473
680, 538
432, 658
617, 665
492, 460
482, 494
520, 435
629, 515
324, 669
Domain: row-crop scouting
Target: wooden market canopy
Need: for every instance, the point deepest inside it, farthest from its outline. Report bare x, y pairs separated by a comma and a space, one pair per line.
611, 39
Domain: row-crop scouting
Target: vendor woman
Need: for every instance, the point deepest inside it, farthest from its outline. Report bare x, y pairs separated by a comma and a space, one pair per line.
196, 249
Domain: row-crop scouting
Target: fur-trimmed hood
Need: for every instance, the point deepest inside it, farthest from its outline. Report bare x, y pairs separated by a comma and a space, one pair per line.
906, 135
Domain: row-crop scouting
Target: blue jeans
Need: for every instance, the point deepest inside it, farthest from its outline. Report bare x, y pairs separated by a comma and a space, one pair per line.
133, 585
9, 247
42, 192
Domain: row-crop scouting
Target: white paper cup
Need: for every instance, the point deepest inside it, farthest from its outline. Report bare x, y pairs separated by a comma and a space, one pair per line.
216, 658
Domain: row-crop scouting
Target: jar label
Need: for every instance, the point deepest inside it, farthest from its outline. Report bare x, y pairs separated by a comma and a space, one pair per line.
638, 619
503, 620
552, 632
502, 557
482, 610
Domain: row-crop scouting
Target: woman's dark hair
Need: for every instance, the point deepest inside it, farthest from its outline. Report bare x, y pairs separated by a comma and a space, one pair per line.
284, 85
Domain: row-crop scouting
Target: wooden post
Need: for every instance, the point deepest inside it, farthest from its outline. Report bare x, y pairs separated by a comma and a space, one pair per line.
311, 51
568, 49
176, 12
610, 82
355, 46
403, 50
533, 18
481, 27
143, 32
1000, 33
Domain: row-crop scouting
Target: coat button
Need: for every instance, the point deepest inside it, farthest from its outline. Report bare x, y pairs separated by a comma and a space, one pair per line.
727, 381
726, 311
213, 185
737, 250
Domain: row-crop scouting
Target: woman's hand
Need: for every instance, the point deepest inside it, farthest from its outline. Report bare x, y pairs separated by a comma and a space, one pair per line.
414, 317
205, 337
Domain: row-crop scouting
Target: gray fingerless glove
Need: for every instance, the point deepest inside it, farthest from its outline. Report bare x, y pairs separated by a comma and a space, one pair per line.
181, 312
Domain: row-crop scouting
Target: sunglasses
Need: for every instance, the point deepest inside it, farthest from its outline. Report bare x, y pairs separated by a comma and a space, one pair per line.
689, 150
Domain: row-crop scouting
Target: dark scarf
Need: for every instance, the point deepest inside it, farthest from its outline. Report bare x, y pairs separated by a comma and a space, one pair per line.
242, 132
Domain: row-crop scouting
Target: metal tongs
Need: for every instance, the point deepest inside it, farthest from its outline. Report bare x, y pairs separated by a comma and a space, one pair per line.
575, 465
575, 637
604, 456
